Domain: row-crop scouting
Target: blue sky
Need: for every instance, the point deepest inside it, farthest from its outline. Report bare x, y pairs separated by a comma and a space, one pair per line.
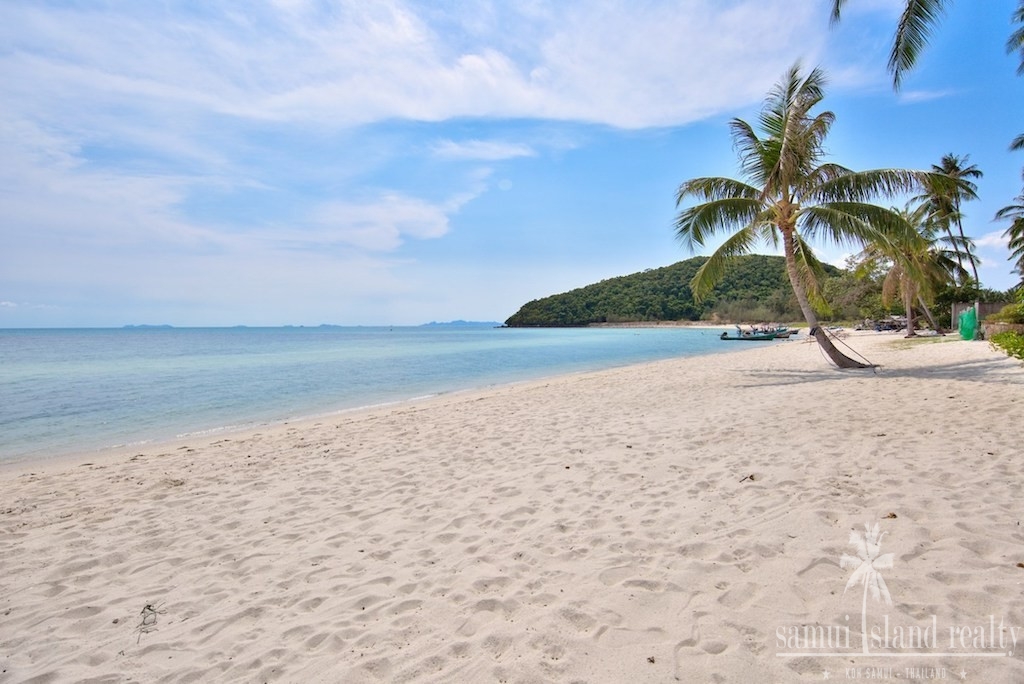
386, 162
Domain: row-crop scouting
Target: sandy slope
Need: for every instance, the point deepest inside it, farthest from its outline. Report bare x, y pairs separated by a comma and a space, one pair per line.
668, 522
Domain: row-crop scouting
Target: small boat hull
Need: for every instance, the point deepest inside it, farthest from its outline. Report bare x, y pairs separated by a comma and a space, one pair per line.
748, 337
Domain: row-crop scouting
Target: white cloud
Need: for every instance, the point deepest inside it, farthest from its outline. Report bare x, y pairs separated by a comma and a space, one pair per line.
381, 225
352, 62
484, 150
994, 239
126, 128
916, 96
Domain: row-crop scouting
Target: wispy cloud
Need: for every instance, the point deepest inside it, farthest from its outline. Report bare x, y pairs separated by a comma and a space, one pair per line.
482, 150
350, 63
381, 225
917, 96
301, 150
993, 239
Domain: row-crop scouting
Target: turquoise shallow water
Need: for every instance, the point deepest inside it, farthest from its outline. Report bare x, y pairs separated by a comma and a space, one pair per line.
70, 391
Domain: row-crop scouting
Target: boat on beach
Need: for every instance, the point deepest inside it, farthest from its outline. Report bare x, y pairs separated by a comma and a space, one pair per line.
749, 336
761, 333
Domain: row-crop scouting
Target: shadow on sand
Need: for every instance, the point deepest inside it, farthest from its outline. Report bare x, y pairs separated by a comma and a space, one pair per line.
1002, 371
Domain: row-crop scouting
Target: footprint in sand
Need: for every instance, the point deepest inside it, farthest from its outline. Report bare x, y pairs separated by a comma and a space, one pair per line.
738, 596
615, 575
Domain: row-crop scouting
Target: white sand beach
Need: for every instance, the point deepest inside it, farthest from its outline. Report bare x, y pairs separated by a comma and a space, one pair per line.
677, 521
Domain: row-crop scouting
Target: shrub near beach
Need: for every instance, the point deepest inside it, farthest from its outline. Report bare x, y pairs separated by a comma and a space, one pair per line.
1009, 341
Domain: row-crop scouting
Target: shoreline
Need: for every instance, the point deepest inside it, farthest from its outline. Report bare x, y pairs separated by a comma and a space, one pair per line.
649, 522
106, 455
209, 436
242, 425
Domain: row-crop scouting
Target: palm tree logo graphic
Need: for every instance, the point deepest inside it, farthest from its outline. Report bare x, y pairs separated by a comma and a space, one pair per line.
866, 571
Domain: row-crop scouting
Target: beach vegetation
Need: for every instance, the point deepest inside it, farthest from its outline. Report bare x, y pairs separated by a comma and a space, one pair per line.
917, 21
757, 289
948, 294
792, 196
856, 293
917, 262
1011, 313
1010, 342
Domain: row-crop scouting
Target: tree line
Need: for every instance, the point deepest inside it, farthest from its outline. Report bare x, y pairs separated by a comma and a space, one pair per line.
755, 289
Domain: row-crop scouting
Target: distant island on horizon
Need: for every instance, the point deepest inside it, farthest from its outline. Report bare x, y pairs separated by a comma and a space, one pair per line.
461, 324
432, 324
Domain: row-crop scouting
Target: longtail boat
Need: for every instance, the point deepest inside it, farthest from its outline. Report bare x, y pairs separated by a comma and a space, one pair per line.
750, 337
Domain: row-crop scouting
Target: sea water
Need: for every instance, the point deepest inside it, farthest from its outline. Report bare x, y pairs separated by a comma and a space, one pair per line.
76, 391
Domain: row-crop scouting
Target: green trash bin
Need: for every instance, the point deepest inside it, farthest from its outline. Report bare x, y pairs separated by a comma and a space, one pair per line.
968, 324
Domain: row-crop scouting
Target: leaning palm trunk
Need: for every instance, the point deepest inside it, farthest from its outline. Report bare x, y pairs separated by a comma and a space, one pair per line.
966, 244
791, 194
928, 314
956, 253
837, 357
908, 304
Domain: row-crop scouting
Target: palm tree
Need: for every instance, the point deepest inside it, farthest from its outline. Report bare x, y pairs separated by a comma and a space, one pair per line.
792, 197
947, 199
918, 19
917, 262
867, 564
916, 22
1015, 233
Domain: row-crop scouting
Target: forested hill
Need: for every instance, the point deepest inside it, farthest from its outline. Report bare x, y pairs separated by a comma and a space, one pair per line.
755, 288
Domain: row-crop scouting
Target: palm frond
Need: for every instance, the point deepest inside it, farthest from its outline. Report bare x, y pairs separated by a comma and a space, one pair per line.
1012, 211
810, 271
1015, 233
695, 225
947, 269
750, 149
852, 223
862, 186
808, 185
714, 188
1016, 40
915, 25
891, 285
712, 270
837, 8
797, 136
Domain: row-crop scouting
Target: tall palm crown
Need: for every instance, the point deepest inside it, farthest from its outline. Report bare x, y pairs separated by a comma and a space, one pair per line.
792, 196
946, 205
